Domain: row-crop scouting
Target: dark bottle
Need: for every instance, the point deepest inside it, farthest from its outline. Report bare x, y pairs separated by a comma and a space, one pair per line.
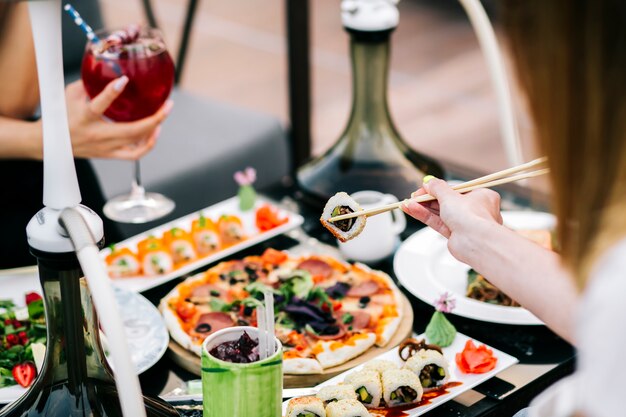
75, 379
370, 154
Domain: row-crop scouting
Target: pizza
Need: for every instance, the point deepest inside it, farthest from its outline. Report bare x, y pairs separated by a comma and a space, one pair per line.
327, 311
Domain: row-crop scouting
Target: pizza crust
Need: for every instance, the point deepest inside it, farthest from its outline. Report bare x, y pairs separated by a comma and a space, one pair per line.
329, 358
301, 366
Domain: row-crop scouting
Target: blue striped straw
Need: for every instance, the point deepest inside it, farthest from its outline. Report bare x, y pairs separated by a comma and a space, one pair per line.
81, 23
91, 35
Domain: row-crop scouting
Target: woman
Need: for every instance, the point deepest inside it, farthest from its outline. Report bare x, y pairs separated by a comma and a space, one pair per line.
21, 152
571, 61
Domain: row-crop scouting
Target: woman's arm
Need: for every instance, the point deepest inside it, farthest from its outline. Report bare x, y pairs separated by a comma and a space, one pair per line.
91, 135
528, 273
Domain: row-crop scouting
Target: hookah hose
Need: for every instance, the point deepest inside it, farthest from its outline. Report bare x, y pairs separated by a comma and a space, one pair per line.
489, 45
131, 398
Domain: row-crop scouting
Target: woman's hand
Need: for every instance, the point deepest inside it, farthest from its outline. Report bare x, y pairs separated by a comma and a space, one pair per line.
94, 137
457, 217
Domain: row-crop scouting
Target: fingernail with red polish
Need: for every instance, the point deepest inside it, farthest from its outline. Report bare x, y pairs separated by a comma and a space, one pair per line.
120, 83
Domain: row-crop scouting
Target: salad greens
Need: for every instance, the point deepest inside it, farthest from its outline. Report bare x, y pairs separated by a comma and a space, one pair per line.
20, 328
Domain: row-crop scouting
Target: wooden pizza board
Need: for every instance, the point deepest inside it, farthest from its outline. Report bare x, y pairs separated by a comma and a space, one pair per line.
191, 362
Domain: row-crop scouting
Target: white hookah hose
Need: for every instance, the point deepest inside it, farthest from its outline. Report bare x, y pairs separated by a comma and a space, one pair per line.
489, 45
126, 380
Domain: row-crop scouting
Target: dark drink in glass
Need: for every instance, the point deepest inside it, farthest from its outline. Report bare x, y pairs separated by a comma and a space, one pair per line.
143, 58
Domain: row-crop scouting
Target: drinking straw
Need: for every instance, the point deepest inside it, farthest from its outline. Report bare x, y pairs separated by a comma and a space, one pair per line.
269, 314
91, 35
261, 326
81, 23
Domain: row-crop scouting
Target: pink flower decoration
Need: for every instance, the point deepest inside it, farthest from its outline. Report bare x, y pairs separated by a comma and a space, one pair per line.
246, 177
445, 303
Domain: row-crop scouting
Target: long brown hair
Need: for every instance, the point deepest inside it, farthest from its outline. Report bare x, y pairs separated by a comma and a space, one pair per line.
570, 57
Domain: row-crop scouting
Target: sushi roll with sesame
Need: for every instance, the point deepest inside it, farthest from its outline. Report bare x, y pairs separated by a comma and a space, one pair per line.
430, 366
123, 262
401, 386
205, 235
305, 407
344, 230
230, 229
180, 245
380, 365
333, 393
346, 408
367, 386
154, 257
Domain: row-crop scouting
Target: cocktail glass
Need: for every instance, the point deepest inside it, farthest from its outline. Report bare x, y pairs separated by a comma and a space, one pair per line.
141, 55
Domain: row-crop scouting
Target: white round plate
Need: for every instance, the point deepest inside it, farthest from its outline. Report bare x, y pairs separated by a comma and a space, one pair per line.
425, 267
145, 331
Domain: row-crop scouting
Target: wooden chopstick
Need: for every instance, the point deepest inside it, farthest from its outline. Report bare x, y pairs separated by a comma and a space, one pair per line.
487, 181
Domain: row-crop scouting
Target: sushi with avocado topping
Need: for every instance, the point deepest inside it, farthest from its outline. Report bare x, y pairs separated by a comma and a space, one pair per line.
334, 393
401, 386
154, 257
430, 366
305, 407
346, 408
367, 386
344, 230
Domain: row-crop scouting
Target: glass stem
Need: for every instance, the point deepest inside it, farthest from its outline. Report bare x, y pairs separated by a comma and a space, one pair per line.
137, 191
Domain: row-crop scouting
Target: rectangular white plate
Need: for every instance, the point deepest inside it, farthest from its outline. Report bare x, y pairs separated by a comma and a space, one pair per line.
468, 381
231, 207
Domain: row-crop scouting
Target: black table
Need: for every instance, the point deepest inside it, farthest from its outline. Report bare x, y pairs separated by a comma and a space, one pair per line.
544, 357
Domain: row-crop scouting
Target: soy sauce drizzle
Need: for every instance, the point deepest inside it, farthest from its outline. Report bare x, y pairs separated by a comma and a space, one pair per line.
426, 399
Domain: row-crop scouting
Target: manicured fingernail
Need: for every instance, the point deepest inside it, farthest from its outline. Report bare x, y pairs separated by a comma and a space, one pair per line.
414, 194
120, 83
167, 108
427, 178
406, 203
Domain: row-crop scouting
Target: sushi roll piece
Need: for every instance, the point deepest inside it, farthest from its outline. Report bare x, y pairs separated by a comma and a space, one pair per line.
180, 245
154, 257
367, 386
230, 229
344, 230
430, 366
380, 365
205, 235
401, 386
346, 408
123, 263
305, 407
333, 393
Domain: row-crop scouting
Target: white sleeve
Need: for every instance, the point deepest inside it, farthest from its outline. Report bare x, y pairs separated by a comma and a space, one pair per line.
597, 387
601, 338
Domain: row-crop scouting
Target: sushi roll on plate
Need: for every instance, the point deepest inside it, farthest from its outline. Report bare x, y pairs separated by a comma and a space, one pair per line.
123, 263
401, 386
344, 230
305, 407
380, 365
333, 393
180, 245
154, 257
205, 235
367, 386
230, 229
346, 408
430, 366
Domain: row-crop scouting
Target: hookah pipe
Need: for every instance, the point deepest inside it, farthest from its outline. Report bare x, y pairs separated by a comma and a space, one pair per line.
64, 225
380, 14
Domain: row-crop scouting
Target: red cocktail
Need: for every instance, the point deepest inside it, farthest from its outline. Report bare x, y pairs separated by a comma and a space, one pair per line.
141, 55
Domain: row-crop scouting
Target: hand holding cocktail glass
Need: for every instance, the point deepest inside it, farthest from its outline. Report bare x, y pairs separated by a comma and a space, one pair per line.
136, 66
